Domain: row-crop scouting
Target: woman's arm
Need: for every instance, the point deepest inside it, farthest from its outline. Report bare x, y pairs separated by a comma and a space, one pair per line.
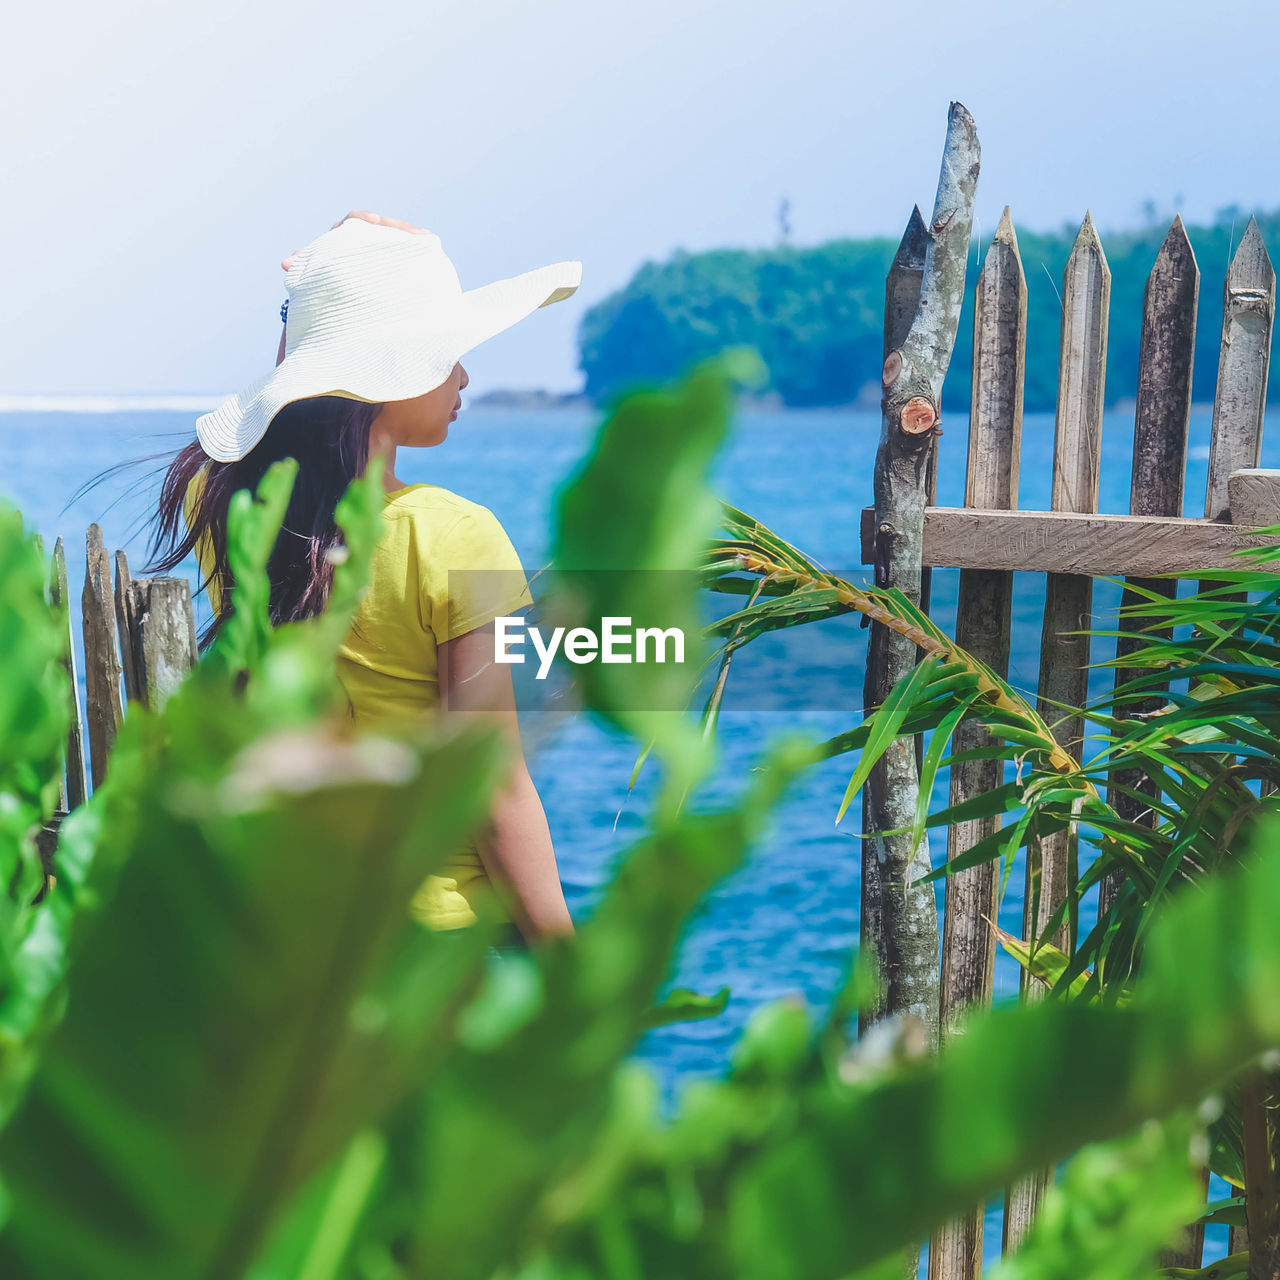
515, 844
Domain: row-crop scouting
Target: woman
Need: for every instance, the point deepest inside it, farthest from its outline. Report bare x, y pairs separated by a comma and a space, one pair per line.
375, 324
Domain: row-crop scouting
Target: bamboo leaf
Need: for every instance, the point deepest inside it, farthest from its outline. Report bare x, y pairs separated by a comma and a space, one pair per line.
1042, 960
886, 723
929, 768
1229, 1212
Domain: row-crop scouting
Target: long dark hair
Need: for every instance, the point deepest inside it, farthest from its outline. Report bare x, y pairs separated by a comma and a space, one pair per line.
329, 438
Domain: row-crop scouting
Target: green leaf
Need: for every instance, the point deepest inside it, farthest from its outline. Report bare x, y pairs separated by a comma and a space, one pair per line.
630, 526
1117, 1205
34, 717
929, 768
1224, 1269
683, 1005
256, 994
257, 991
885, 724
317, 1237
1229, 1212
604, 981
1042, 960
1020, 1089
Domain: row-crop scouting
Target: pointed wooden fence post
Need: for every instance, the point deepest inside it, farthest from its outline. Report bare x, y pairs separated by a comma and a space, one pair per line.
902, 284
1248, 314
73, 790
901, 298
901, 301
1165, 362
905, 931
982, 627
103, 707
124, 628
1064, 657
901, 919
1248, 317
1163, 412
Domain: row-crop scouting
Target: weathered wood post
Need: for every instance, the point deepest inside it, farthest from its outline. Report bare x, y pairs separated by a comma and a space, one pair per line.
1159, 454
1077, 456
73, 790
1248, 317
901, 299
1254, 494
103, 707
162, 636
982, 627
1165, 362
1244, 358
902, 284
1064, 656
124, 627
899, 921
1260, 1113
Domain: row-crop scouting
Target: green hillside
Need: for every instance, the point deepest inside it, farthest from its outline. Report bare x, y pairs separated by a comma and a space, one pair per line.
815, 314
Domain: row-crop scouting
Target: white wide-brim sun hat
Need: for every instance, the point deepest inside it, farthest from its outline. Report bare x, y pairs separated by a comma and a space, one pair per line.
375, 314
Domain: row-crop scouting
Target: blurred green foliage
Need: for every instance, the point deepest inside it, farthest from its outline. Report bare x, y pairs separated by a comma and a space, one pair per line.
1117, 1204
816, 314
263, 1067
1193, 735
634, 517
34, 715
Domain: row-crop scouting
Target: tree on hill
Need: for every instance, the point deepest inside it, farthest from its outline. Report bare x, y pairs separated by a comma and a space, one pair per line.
815, 314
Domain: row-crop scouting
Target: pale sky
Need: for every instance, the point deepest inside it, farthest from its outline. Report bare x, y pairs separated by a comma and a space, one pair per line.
161, 156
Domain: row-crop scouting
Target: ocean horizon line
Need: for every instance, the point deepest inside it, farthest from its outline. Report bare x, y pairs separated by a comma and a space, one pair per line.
107, 403
190, 402
116, 402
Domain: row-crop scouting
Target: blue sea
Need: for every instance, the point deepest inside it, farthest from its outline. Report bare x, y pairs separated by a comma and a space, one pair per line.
785, 925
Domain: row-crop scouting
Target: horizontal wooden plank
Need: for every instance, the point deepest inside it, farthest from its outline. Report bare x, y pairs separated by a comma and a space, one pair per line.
1069, 542
1254, 496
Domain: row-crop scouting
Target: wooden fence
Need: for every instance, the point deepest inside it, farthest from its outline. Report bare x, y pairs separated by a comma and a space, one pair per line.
989, 540
155, 624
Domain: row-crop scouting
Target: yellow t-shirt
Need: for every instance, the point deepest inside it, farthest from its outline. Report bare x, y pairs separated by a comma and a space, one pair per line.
444, 566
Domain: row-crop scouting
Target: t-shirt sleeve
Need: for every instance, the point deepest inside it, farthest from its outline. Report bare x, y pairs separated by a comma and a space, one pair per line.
472, 575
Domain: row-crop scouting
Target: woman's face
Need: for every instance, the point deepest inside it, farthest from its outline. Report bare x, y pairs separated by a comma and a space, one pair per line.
423, 420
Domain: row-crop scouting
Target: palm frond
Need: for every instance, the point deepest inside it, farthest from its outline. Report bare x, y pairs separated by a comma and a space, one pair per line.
803, 591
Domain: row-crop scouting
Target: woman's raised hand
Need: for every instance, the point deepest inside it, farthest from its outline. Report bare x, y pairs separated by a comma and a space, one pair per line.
365, 216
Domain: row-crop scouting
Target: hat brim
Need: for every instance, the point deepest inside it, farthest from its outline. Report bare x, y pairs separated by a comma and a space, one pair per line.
489, 310
377, 366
